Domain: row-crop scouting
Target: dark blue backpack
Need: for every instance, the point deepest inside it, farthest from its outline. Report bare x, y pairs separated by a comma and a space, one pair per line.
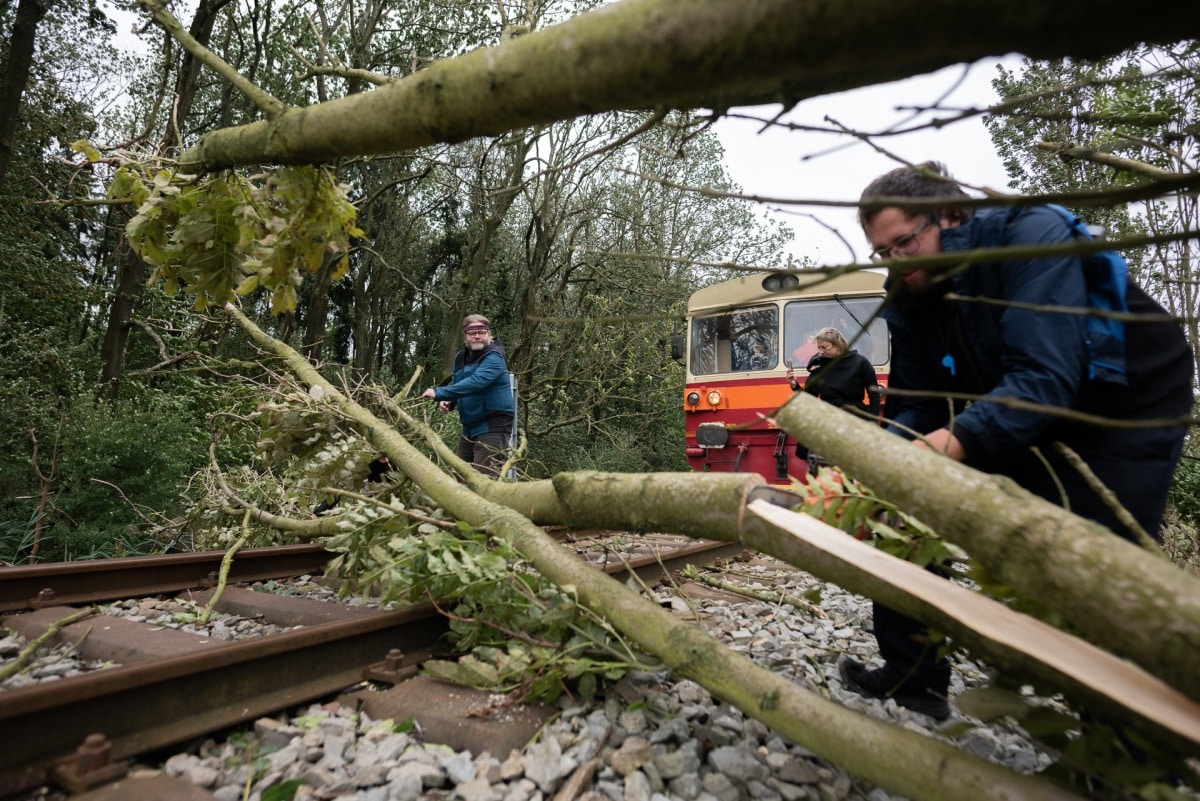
1107, 275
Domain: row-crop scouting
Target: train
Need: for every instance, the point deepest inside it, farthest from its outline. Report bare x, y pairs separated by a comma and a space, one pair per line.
741, 334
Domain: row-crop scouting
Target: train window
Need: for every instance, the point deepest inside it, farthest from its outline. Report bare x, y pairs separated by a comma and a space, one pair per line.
736, 342
803, 318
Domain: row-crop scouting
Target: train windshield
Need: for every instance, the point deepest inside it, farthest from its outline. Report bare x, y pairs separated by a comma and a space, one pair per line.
803, 318
736, 342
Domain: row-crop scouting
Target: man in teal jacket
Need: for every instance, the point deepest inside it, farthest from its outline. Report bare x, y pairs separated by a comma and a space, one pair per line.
479, 388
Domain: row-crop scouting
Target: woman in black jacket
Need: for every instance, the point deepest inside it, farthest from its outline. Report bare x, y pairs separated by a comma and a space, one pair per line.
839, 376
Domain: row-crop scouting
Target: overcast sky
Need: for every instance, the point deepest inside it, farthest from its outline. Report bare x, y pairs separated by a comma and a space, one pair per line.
803, 165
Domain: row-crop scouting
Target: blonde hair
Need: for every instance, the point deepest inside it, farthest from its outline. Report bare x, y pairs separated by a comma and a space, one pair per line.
476, 319
833, 337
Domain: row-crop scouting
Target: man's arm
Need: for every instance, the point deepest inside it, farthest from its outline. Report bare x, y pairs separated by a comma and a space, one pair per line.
490, 368
1041, 354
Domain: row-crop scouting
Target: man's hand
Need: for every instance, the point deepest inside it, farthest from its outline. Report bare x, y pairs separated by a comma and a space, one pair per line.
429, 393
444, 406
943, 442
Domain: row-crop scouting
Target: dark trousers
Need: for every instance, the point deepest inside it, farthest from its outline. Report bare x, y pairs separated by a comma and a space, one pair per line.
485, 452
1136, 465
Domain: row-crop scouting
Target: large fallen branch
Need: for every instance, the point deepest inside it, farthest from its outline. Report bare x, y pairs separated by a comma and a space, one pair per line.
1107, 590
1083, 578
638, 54
899, 760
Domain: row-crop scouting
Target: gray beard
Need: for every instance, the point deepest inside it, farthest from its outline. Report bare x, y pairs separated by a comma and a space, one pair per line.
476, 345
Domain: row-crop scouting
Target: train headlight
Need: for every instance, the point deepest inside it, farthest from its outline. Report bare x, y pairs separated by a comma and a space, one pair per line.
693, 398
714, 398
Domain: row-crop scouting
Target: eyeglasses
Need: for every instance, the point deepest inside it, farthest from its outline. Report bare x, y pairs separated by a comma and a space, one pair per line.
476, 332
903, 246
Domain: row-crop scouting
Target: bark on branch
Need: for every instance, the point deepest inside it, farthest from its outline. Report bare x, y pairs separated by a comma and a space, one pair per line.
639, 54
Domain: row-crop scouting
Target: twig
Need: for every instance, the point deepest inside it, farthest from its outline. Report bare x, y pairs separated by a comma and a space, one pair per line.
30, 650
767, 596
223, 575
1141, 536
132, 506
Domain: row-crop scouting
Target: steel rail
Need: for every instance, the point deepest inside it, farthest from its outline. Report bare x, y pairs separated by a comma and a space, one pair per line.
146, 706
96, 580
143, 707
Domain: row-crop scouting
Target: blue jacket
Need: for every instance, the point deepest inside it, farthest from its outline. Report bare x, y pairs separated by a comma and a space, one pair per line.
1005, 351
480, 389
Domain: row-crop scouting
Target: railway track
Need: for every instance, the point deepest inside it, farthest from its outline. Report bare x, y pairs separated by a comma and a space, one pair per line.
169, 687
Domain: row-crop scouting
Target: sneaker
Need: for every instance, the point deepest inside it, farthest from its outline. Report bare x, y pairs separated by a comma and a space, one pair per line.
882, 683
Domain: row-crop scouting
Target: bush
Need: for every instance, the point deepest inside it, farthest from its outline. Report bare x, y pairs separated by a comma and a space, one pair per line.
118, 473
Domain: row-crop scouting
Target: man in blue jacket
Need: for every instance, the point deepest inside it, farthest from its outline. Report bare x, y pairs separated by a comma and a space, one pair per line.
479, 388
996, 340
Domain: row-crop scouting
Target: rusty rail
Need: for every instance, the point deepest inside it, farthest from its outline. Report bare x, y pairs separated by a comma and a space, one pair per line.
96, 580
170, 690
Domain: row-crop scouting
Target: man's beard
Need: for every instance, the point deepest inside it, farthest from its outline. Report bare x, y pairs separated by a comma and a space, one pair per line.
925, 299
476, 345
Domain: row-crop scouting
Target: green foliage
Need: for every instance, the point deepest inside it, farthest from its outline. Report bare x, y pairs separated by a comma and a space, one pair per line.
1185, 489
514, 629
835, 499
216, 235
117, 463
283, 791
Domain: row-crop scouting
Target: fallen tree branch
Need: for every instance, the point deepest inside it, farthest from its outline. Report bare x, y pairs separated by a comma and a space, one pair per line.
894, 758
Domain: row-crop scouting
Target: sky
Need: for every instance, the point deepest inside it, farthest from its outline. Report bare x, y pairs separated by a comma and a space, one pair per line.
779, 163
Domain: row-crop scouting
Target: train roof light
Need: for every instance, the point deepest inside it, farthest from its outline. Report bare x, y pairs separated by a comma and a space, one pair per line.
780, 282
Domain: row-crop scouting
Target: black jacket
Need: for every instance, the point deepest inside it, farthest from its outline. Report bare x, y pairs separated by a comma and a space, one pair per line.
842, 380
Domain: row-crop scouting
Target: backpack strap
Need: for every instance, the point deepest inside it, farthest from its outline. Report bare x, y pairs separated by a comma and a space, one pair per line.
1106, 274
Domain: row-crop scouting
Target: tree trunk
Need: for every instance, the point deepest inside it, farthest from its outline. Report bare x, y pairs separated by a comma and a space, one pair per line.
131, 280
189, 70
317, 317
20, 59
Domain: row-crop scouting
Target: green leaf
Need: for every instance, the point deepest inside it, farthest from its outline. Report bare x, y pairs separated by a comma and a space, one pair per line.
284, 791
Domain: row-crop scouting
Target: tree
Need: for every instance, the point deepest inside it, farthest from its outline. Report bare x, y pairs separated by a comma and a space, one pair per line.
704, 54
1116, 122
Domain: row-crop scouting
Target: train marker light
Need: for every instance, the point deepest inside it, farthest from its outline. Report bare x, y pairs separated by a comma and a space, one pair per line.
780, 282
